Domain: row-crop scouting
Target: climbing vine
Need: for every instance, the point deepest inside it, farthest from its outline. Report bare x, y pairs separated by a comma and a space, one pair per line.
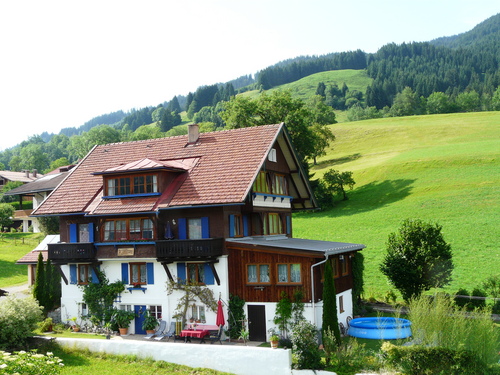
191, 292
100, 297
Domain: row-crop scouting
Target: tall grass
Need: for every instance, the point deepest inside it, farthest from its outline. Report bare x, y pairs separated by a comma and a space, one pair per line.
436, 321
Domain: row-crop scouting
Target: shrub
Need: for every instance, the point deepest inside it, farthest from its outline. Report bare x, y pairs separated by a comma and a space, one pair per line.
477, 303
18, 319
305, 350
462, 301
424, 360
29, 363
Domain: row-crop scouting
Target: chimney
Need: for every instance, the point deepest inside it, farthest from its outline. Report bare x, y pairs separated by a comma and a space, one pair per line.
193, 133
27, 173
35, 172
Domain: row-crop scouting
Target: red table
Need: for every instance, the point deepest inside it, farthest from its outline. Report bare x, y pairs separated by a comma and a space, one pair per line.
198, 333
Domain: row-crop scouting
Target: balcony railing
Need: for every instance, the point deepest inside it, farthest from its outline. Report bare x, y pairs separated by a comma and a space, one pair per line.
189, 249
69, 252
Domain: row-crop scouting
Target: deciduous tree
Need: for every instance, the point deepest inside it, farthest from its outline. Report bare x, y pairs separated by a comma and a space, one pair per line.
417, 258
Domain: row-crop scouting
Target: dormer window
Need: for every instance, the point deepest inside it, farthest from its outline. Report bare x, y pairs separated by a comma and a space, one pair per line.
139, 184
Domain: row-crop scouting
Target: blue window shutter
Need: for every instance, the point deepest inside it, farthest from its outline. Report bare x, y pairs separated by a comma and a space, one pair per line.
245, 225
205, 232
209, 275
72, 274
231, 225
182, 227
94, 277
181, 271
125, 273
73, 233
288, 224
150, 273
91, 232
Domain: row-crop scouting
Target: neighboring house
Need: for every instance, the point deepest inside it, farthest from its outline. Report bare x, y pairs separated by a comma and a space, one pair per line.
214, 208
31, 259
24, 177
36, 190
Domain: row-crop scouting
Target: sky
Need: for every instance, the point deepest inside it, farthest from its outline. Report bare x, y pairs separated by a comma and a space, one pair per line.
63, 63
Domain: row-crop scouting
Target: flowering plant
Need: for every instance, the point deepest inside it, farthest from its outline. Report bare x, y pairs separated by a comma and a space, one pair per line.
30, 363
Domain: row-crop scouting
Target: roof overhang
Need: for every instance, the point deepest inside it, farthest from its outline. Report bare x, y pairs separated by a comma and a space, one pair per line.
279, 242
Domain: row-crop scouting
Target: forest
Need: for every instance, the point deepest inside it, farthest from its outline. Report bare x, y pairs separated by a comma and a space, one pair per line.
450, 74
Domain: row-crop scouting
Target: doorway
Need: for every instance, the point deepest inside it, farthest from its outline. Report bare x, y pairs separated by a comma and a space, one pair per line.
257, 322
140, 311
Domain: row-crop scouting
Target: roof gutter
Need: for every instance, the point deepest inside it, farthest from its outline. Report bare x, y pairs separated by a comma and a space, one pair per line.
312, 286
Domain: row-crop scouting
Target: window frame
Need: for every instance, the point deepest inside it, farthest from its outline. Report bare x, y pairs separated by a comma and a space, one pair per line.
344, 265
116, 186
139, 275
127, 229
199, 267
87, 274
288, 274
258, 273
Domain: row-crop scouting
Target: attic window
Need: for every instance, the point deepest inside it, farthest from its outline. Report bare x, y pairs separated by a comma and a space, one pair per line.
272, 155
138, 184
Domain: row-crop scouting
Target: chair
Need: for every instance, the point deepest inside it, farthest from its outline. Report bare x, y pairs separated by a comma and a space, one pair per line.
216, 335
167, 333
158, 331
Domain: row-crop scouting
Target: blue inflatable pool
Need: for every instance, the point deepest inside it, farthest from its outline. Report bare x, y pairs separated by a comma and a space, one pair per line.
380, 328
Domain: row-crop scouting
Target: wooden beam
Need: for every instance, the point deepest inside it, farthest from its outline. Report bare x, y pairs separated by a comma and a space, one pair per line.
58, 268
165, 267
216, 275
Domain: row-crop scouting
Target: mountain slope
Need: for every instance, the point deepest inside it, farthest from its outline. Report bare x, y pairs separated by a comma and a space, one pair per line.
439, 168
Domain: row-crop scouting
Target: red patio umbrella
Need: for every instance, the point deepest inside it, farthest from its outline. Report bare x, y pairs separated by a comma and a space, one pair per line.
220, 315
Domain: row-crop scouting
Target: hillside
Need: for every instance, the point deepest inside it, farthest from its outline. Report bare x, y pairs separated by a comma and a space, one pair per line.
440, 168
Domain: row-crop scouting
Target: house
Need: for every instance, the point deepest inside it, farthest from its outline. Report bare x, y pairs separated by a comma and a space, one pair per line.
35, 190
213, 208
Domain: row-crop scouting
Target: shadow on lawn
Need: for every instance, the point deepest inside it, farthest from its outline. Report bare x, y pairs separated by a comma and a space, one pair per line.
370, 197
7, 270
338, 161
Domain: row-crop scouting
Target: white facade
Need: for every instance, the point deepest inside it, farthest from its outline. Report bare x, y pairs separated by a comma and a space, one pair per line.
72, 304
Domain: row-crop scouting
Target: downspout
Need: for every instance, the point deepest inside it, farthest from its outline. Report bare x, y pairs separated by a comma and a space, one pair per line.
312, 286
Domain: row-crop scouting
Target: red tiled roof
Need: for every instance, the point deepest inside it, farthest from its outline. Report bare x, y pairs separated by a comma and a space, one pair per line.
222, 166
32, 257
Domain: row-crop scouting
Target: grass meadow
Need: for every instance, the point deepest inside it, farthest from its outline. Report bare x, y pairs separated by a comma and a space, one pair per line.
439, 168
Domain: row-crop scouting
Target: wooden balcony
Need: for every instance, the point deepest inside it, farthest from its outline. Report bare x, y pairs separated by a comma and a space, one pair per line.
185, 250
63, 253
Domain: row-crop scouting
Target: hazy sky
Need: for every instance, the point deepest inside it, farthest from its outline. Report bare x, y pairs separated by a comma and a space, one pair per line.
64, 62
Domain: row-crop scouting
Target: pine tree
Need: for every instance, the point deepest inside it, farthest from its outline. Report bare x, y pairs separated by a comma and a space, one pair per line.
330, 318
39, 289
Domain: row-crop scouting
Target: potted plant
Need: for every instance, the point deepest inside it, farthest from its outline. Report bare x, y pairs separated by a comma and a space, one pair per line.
273, 338
122, 318
75, 326
150, 322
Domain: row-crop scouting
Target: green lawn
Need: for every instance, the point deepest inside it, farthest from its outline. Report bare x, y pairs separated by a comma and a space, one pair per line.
441, 168
14, 246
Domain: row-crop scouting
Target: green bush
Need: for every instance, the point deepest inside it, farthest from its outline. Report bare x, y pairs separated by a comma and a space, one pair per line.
424, 360
477, 303
305, 348
18, 319
462, 301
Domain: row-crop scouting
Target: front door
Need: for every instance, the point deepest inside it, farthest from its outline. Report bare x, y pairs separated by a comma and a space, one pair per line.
257, 322
139, 319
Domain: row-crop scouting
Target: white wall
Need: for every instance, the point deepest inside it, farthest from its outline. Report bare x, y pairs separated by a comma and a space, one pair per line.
156, 294
240, 360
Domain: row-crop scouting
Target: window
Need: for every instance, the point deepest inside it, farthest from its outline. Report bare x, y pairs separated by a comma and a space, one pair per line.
271, 183
194, 229
238, 226
272, 155
128, 230
273, 224
138, 274
341, 304
140, 184
198, 313
344, 265
289, 273
196, 273
335, 267
83, 233
83, 274
258, 273
155, 311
